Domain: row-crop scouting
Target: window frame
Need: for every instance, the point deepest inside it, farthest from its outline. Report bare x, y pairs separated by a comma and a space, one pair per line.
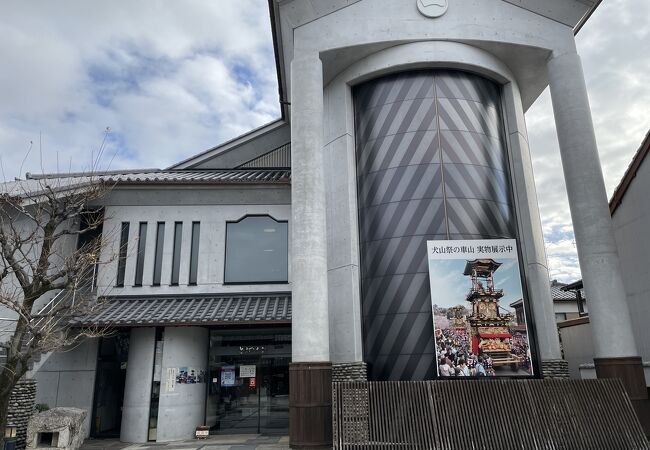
225, 252
176, 257
195, 238
143, 228
122, 251
158, 255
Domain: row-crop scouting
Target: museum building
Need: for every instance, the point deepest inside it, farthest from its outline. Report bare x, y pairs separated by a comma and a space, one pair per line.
249, 276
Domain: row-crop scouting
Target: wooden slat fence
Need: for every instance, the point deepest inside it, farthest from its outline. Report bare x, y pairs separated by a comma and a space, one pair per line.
485, 414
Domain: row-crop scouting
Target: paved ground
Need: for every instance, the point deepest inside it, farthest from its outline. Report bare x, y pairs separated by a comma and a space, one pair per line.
240, 442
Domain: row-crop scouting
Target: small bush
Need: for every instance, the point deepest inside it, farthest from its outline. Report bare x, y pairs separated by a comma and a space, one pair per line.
40, 407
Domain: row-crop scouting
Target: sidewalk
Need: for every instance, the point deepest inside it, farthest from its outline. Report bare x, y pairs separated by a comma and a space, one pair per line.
231, 442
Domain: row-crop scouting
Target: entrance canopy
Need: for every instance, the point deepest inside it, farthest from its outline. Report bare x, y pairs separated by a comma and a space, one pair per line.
236, 309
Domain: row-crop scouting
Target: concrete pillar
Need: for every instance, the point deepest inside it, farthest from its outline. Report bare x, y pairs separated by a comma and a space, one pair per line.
534, 253
137, 388
615, 349
310, 372
182, 406
310, 326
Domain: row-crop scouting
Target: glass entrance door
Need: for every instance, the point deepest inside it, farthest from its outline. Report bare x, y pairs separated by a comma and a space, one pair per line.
249, 381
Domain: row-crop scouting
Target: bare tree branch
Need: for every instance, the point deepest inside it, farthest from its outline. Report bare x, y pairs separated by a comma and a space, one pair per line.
49, 248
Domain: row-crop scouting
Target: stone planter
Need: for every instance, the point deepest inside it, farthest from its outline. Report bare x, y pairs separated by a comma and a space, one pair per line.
58, 428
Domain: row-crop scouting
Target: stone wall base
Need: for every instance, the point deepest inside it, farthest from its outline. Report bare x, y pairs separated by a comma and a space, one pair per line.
21, 408
555, 369
349, 371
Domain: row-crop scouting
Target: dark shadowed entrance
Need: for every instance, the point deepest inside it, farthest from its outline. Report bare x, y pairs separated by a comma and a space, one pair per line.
112, 358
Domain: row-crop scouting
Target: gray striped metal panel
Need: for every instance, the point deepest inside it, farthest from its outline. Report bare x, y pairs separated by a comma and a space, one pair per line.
277, 158
486, 414
431, 164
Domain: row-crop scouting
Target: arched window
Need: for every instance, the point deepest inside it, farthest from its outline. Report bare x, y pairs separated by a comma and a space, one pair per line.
256, 251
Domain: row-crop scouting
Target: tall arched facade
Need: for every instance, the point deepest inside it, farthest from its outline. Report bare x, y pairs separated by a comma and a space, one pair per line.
431, 164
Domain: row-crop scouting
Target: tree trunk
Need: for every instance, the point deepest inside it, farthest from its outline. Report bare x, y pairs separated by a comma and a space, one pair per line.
4, 410
7, 381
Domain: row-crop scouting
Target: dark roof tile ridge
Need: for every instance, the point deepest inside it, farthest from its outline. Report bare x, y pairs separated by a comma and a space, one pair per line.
98, 173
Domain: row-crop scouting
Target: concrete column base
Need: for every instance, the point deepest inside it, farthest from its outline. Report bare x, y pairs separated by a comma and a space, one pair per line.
349, 371
310, 405
555, 369
630, 371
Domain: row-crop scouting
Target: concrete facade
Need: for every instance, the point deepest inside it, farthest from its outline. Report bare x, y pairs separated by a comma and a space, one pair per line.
325, 50
213, 208
592, 225
137, 390
67, 379
631, 221
182, 408
385, 56
577, 344
310, 325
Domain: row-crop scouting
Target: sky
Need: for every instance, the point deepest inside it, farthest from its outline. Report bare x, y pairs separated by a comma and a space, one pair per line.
451, 286
149, 83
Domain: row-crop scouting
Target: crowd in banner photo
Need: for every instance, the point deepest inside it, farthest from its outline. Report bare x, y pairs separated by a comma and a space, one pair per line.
455, 358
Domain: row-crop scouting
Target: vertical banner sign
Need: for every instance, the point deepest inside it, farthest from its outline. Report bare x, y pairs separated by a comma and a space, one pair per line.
170, 379
479, 318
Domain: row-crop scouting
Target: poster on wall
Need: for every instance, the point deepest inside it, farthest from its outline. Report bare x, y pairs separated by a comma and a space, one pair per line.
228, 376
247, 371
479, 319
170, 379
190, 375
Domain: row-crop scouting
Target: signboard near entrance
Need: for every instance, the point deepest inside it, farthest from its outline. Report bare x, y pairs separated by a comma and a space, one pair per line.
228, 376
479, 318
247, 371
170, 379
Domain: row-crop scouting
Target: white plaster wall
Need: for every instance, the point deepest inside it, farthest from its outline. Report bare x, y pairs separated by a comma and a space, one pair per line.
631, 222
567, 307
185, 206
578, 346
68, 379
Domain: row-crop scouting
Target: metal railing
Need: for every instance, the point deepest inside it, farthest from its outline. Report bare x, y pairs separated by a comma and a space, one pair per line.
44, 315
483, 291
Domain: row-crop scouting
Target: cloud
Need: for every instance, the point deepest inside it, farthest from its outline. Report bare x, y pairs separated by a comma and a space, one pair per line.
170, 80
174, 78
614, 54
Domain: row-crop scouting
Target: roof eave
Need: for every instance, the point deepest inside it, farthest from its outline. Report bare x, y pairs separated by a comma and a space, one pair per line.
274, 15
586, 17
227, 146
630, 174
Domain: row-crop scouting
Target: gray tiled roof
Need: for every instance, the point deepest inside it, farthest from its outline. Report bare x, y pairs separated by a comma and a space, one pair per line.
559, 295
207, 176
37, 184
203, 309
